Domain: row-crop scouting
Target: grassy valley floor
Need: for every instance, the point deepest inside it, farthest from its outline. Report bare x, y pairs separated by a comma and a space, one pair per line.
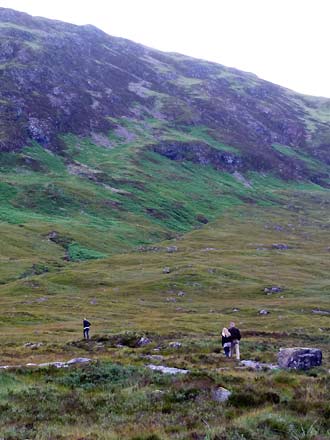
181, 290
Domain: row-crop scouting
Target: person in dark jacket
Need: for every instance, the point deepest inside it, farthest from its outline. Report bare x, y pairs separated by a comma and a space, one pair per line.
236, 337
86, 325
226, 341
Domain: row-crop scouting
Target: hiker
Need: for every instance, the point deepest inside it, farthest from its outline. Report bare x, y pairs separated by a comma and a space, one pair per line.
226, 341
236, 337
86, 325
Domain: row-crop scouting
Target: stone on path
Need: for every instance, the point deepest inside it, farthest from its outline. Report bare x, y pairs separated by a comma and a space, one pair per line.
299, 358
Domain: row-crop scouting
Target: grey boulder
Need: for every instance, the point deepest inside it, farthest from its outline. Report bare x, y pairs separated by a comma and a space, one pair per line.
220, 394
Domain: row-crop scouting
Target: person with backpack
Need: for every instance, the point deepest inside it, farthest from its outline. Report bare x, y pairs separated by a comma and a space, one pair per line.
226, 341
86, 326
236, 337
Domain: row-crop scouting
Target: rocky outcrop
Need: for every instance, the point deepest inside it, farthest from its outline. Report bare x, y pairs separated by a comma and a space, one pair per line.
167, 370
299, 358
199, 153
56, 364
254, 365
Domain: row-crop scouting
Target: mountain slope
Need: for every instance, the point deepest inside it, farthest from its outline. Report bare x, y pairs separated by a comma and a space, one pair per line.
59, 78
111, 144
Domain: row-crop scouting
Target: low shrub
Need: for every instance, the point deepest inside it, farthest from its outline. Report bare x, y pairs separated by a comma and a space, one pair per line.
99, 375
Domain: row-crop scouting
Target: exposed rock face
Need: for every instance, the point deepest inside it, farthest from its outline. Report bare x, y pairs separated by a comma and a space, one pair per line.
200, 153
299, 358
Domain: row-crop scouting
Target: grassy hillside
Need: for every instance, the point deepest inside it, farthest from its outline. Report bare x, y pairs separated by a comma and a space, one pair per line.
217, 273
100, 202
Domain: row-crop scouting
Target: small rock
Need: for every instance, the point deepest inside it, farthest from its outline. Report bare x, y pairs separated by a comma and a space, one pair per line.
280, 246
170, 299
273, 289
181, 293
167, 370
202, 219
175, 344
220, 394
166, 270
158, 394
53, 364
143, 341
53, 235
258, 365
263, 312
321, 312
33, 345
93, 301
299, 358
79, 360
171, 249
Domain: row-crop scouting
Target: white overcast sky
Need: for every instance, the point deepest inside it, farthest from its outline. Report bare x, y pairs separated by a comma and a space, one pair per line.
283, 41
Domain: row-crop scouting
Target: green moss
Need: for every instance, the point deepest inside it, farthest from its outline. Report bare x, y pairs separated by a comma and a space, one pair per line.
79, 253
